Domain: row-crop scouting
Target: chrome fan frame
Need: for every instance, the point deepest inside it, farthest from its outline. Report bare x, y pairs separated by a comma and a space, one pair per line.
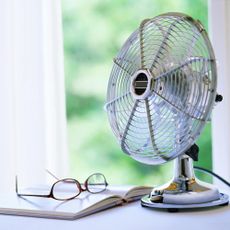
164, 121
161, 92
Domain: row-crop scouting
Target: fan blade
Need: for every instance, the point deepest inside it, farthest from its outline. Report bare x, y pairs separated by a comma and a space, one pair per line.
164, 42
127, 127
177, 108
181, 66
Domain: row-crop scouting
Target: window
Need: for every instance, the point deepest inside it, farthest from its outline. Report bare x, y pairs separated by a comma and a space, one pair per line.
93, 33
32, 118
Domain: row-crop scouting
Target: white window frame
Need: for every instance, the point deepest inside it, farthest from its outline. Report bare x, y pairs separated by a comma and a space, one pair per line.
32, 92
219, 27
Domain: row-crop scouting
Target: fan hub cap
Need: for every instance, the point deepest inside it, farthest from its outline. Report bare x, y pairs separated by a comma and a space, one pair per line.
141, 84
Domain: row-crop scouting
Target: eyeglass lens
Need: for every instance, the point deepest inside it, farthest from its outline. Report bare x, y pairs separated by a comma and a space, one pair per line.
96, 183
70, 188
66, 189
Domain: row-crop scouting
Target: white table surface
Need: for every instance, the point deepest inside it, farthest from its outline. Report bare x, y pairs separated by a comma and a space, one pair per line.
130, 216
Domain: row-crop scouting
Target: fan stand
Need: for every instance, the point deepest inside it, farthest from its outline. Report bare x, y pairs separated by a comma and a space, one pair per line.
185, 191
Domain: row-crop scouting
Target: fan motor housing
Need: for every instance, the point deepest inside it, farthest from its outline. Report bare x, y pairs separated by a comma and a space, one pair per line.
141, 83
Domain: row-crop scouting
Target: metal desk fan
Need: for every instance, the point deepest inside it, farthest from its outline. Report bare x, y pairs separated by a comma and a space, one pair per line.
161, 91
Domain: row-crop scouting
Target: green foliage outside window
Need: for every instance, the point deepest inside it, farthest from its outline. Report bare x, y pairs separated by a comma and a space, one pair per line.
94, 31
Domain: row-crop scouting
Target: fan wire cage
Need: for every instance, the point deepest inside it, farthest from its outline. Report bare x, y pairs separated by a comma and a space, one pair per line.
162, 88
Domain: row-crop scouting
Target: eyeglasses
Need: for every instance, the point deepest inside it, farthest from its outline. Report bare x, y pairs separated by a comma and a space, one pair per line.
69, 188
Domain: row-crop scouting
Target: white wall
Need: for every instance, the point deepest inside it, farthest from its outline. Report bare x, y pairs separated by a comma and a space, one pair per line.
219, 27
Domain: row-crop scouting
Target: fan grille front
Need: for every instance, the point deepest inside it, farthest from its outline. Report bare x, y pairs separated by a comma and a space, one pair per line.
162, 88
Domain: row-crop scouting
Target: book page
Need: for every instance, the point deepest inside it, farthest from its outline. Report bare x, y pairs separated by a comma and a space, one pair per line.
137, 192
85, 203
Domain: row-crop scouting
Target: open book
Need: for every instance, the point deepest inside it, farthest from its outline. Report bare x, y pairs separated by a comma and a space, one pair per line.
85, 204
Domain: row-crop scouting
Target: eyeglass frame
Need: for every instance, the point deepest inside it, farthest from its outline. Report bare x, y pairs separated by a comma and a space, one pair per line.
51, 193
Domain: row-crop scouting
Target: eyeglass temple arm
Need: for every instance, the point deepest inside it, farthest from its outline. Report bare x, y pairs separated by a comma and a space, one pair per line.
22, 194
52, 174
106, 183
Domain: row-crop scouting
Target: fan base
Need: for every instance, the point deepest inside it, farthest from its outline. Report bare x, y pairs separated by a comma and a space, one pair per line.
146, 202
184, 190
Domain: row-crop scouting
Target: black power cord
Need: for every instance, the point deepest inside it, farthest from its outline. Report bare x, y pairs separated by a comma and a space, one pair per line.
212, 173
